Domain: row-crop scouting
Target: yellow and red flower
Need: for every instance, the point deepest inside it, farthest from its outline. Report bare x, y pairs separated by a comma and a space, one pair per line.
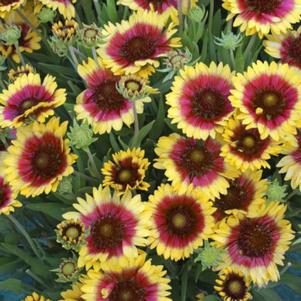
269, 99
13, 74
73, 294
179, 222
255, 243
291, 163
286, 47
101, 105
232, 285
35, 297
135, 46
27, 98
39, 158
199, 103
65, 7
194, 164
8, 6
245, 149
244, 194
126, 171
136, 278
117, 226
263, 17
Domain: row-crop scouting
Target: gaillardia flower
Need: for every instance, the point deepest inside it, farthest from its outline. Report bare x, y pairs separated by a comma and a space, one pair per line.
179, 222
8, 201
291, 163
13, 74
29, 40
245, 149
101, 105
132, 279
39, 158
262, 17
73, 294
126, 171
135, 46
194, 164
35, 297
27, 98
9, 5
232, 285
245, 194
255, 243
198, 99
269, 98
116, 226
66, 30
286, 47
65, 7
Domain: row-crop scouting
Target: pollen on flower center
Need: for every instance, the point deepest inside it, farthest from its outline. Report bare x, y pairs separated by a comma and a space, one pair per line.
127, 290
248, 141
68, 268
42, 160
197, 156
138, 48
179, 220
72, 232
235, 286
125, 175
270, 99
27, 104
263, 6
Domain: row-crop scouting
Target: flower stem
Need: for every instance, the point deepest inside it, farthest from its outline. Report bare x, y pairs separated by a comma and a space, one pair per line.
97, 8
19, 53
82, 175
180, 12
73, 56
36, 278
25, 19
136, 122
25, 234
94, 54
91, 158
232, 59
211, 12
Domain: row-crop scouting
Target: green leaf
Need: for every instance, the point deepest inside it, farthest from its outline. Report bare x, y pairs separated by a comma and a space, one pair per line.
9, 264
15, 286
53, 210
211, 298
292, 281
159, 123
142, 134
268, 294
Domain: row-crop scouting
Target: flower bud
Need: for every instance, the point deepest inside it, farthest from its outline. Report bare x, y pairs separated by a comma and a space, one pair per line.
10, 35
46, 15
276, 191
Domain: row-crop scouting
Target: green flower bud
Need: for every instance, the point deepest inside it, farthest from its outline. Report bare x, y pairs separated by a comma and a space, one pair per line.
197, 14
276, 191
210, 257
90, 35
58, 46
229, 40
65, 186
46, 15
67, 271
81, 136
10, 35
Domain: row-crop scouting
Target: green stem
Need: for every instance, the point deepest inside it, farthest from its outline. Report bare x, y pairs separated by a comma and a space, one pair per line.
293, 193
136, 122
184, 283
250, 44
26, 19
1, 82
94, 54
91, 158
180, 12
25, 234
232, 59
73, 56
19, 53
211, 12
82, 175
36, 278
97, 8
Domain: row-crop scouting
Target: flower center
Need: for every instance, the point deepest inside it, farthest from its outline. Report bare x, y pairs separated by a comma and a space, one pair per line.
235, 287
255, 237
181, 220
208, 104
197, 156
294, 49
248, 141
263, 6
27, 104
107, 232
72, 232
42, 160
269, 103
125, 175
107, 96
127, 290
133, 85
138, 48
68, 268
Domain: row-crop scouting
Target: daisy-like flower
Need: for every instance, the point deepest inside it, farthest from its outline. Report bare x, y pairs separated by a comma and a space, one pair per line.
194, 164
286, 47
262, 17
66, 30
126, 171
245, 149
65, 7
269, 98
9, 5
28, 98
132, 279
29, 40
244, 194
198, 100
101, 105
256, 243
116, 226
39, 158
35, 297
291, 163
179, 222
135, 46
8, 201
73, 294
232, 285
71, 234
13, 74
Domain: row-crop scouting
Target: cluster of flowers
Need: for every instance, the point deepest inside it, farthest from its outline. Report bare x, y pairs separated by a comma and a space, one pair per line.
232, 124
